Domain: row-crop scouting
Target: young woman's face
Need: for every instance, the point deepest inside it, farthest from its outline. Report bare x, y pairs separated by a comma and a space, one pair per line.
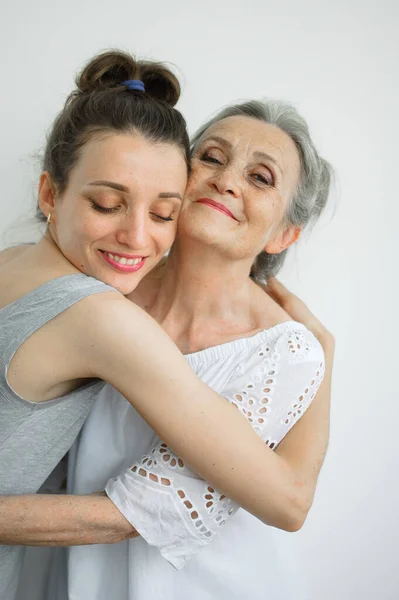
244, 172
118, 214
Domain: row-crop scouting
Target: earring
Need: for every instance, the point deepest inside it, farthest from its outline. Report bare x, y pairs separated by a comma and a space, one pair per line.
49, 218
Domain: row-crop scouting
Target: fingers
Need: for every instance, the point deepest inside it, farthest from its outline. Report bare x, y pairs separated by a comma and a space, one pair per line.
293, 305
299, 311
277, 287
278, 291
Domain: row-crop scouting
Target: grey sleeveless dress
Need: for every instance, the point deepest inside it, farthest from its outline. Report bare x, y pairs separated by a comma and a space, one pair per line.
34, 436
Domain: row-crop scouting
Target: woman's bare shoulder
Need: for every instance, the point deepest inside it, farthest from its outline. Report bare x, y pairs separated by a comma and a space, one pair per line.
14, 252
106, 314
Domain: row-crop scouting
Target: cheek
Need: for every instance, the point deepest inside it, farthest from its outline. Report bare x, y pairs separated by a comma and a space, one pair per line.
94, 226
195, 181
166, 240
72, 222
162, 236
271, 211
86, 231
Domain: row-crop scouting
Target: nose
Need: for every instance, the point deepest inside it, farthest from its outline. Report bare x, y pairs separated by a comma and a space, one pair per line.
133, 231
226, 181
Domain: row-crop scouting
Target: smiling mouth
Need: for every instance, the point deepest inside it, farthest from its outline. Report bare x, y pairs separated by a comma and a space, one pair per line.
217, 206
124, 263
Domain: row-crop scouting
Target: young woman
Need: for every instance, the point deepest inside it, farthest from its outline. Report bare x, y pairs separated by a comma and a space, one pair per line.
115, 171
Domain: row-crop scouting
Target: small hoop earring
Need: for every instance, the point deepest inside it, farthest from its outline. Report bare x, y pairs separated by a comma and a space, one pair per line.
49, 219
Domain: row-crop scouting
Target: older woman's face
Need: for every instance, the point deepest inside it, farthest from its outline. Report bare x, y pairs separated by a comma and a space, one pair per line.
244, 172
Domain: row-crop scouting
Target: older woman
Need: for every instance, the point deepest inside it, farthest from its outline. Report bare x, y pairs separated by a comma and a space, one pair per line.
256, 181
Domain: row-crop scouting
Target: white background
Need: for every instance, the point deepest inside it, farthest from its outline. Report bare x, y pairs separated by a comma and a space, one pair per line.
338, 63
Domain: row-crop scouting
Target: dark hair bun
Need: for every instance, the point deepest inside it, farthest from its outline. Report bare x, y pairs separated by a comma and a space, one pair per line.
109, 69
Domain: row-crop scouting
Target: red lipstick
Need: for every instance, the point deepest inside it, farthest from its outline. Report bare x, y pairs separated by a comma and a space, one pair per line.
217, 206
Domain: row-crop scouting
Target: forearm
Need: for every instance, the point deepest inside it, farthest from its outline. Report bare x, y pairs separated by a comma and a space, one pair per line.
61, 520
197, 424
208, 433
267, 485
305, 447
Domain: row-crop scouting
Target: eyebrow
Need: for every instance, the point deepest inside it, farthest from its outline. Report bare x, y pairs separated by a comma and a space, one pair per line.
220, 140
170, 195
123, 188
266, 156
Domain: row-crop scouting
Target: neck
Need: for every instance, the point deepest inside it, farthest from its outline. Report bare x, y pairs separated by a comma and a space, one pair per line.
201, 299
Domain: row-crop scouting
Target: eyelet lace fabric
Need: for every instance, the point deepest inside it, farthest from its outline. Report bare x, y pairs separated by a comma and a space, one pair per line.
271, 379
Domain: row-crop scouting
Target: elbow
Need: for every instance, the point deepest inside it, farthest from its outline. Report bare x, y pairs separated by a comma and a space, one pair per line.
294, 524
296, 512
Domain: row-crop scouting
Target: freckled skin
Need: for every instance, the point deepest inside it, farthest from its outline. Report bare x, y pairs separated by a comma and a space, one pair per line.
147, 170
234, 179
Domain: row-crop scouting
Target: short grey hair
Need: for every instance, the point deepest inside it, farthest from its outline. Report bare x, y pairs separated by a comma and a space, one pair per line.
316, 174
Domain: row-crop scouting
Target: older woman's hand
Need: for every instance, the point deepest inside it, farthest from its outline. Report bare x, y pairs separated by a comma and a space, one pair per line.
298, 310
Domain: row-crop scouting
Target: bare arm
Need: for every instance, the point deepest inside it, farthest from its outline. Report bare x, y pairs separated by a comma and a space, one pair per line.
52, 520
305, 446
278, 487
275, 486
168, 520
198, 424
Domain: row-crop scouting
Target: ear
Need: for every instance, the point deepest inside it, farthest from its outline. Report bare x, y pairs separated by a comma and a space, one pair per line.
281, 241
46, 194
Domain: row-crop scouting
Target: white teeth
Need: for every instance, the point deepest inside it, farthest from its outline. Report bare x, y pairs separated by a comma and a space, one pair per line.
124, 261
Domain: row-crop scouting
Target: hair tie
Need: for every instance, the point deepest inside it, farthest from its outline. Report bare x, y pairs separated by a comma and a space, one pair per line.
134, 85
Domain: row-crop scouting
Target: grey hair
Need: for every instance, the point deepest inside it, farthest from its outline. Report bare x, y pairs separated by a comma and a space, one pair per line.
316, 174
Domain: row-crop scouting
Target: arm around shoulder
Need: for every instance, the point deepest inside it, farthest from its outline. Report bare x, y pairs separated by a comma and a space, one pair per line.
129, 350
177, 512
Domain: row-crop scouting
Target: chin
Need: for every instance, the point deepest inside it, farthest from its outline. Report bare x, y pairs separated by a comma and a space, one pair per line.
206, 233
123, 283
124, 286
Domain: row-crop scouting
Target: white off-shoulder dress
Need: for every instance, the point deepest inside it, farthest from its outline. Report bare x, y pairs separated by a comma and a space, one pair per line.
195, 543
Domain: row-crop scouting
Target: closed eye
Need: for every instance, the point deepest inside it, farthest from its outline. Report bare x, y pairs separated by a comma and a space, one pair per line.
103, 209
163, 219
206, 157
262, 179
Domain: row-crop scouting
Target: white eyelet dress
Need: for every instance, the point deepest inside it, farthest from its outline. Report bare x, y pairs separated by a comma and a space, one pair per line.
195, 543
